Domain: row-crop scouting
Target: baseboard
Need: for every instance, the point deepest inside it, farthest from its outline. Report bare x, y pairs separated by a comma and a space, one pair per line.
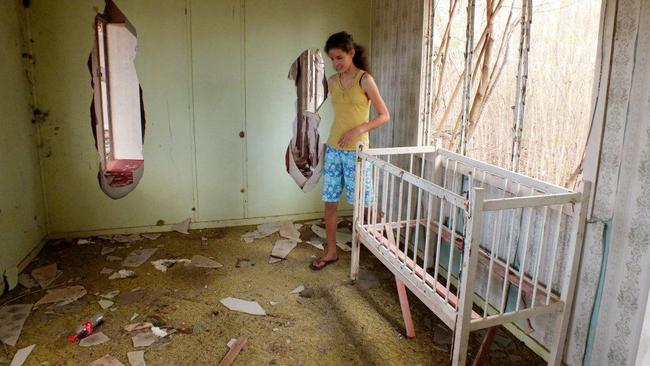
193, 225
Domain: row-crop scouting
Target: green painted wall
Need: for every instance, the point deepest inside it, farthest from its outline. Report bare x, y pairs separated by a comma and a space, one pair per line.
209, 69
22, 213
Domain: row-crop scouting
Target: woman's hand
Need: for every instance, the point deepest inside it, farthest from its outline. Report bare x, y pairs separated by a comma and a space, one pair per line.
350, 136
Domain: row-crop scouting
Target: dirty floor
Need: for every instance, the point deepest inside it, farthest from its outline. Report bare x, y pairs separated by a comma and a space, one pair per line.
341, 324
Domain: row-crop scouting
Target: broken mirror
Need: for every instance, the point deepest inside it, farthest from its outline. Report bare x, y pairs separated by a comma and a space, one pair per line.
117, 110
304, 156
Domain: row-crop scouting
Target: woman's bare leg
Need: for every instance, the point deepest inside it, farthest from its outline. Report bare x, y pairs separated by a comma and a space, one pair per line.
331, 219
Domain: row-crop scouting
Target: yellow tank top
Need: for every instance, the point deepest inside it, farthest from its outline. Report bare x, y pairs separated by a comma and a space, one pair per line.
351, 109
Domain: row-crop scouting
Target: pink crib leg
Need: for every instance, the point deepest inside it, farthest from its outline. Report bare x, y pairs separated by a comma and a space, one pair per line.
406, 310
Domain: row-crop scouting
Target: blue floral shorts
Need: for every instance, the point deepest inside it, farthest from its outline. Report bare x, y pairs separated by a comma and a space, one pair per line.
339, 172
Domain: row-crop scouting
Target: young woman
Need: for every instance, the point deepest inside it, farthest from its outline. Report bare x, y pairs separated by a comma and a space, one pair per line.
352, 90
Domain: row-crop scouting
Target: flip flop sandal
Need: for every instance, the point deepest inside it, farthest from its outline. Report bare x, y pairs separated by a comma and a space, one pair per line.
325, 264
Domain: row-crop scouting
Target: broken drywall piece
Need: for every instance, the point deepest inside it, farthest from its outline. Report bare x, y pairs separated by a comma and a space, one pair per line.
94, 339
182, 227
122, 273
243, 306
11, 275
26, 280
316, 243
21, 355
106, 270
342, 238
110, 295
288, 230
105, 237
84, 241
297, 290
282, 248
150, 236
46, 275
204, 262
105, 304
107, 360
136, 358
134, 237
273, 303
273, 260
12, 318
269, 228
107, 250
113, 258
163, 264
138, 256
145, 339
121, 239
68, 294
137, 326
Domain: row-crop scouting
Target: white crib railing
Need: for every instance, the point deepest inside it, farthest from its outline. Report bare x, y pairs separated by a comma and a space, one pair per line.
479, 245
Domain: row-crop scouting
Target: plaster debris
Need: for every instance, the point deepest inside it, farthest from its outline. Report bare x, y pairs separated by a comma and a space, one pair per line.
12, 318
342, 238
182, 227
163, 264
84, 242
273, 260
21, 355
134, 316
159, 332
249, 307
297, 289
122, 273
282, 248
138, 256
46, 275
152, 236
134, 237
203, 262
121, 239
106, 270
68, 295
263, 230
107, 250
107, 360
290, 231
110, 295
231, 342
273, 303
136, 358
26, 280
137, 326
113, 258
316, 243
105, 304
94, 339
145, 339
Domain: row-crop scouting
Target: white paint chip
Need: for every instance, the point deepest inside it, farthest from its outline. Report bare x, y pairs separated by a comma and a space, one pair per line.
182, 227
105, 304
137, 257
297, 289
21, 355
94, 339
122, 273
282, 248
151, 236
244, 306
204, 262
12, 318
144, 339
107, 250
136, 358
46, 275
107, 360
67, 295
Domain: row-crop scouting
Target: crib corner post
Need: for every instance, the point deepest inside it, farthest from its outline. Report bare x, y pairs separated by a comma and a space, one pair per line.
357, 209
468, 274
569, 286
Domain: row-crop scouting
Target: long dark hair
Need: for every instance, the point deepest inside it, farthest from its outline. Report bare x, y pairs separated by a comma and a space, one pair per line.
344, 41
